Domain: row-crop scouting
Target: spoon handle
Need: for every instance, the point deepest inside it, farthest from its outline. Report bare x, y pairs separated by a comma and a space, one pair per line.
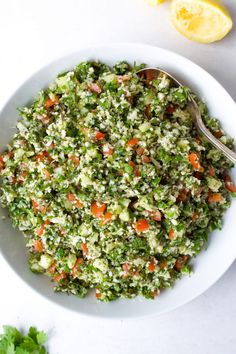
231, 155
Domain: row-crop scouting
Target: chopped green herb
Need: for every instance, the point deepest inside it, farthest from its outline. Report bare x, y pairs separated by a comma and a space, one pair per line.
111, 184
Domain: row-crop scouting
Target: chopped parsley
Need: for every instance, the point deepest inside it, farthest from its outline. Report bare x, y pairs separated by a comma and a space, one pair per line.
111, 184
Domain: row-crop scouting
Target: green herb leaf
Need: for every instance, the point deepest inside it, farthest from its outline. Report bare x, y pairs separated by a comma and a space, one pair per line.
13, 342
41, 338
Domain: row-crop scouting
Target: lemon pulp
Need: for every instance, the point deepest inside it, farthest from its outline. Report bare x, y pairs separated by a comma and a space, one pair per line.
203, 21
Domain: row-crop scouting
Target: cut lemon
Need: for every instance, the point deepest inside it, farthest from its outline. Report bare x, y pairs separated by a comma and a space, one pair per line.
155, 2
203, 21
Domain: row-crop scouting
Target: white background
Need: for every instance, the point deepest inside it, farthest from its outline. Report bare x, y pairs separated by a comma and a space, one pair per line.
32, 33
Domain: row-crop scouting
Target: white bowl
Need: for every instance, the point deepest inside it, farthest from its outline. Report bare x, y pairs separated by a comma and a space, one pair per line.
210, 264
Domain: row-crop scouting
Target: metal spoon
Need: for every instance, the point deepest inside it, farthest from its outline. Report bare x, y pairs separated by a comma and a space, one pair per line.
150, 74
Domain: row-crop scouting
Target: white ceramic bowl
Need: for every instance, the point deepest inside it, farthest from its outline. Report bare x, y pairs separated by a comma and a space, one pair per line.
210, 264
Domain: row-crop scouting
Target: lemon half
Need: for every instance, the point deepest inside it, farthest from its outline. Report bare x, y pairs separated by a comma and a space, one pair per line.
155, 2
203, 21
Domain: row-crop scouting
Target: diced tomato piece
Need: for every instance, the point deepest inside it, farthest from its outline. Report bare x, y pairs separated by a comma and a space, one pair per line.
132, 164
194, 160
180, 262
229, 185
74, 159
94, 88
141, 225
84, 249
23, 166
211, 171
44, 119
140, 151
47, 222
52, 145
126, 267
39, 157
10, 154
171, 234
74, 270
38, 246
40, 231
79, 204
62, 232
59, 276
170, 109
127, 270
136, 170
107, 151
42, 208
71, 197
152, 266
43, 155
214, 197
22, 176
99, 136
98, 209
46, 154
155, 215
146, 159
51, 102
106, 218
2, 164
85, 130
52, 268
98, 294
131, 143
135, 273
35, 205
183, 195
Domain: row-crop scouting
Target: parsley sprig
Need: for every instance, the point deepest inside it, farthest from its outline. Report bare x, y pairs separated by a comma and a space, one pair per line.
12, 341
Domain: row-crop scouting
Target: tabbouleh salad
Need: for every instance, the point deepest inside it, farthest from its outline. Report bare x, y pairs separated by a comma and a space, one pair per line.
111, 184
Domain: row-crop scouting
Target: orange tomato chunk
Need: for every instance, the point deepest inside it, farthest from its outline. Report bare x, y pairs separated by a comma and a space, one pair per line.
38, 246
141, 225
131, 143
98, 209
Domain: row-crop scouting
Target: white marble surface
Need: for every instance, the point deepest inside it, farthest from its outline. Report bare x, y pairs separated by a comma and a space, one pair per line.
35, 32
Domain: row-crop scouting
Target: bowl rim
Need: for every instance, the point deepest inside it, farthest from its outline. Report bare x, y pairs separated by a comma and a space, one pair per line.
64, 57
